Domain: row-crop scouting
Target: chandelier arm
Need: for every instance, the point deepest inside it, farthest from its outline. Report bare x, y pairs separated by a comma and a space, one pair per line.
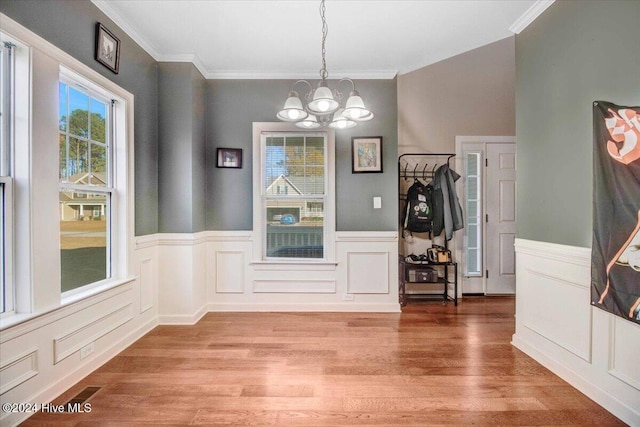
347, 79
308, 94
339, 95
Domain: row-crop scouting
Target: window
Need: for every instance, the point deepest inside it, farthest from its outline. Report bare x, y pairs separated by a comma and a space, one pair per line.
86, 185
294, 195
473, 207
6, 180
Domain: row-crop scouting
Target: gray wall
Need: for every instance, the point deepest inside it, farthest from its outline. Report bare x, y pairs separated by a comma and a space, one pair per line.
70, 25
232, 107
573, 54
222, 111
181, 162
469, 94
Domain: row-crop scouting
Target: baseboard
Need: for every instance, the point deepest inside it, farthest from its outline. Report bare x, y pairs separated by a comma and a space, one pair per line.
296, 307
591, 390
76, 376
586, 351
183, 319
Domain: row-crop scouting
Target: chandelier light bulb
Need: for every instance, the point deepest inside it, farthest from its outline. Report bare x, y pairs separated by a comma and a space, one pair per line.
293, 114
323, 105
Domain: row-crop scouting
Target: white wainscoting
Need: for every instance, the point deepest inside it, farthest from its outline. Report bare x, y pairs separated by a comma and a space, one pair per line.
217, 271
593, 350
40, 357
362, 278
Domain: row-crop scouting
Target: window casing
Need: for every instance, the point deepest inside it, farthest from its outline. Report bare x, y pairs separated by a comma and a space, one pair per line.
294, 176
86, 189
7, 284
294, 197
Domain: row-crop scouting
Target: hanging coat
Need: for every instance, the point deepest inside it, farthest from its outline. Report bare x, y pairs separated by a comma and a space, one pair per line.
447, 213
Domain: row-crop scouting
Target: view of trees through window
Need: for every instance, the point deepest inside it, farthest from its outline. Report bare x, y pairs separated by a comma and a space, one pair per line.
84, 167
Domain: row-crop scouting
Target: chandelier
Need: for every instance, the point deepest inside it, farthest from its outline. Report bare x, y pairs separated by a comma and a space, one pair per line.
323, 106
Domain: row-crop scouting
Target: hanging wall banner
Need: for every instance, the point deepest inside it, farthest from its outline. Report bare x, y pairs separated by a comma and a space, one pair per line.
615, 253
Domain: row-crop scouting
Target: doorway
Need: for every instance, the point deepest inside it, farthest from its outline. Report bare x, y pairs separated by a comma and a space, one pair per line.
487, 194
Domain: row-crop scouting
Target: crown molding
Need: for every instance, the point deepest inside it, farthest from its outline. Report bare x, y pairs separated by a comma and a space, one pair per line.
530, 15
121, 22
287, 75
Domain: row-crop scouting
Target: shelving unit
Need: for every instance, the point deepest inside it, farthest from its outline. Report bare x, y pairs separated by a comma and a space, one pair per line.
444, 280
412, 166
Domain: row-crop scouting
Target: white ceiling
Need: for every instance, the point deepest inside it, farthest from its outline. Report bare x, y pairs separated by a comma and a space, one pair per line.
282, 39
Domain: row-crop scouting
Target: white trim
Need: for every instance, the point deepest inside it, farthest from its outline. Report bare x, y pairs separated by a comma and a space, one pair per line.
293, 266
530, 15
123, 23
23, 324
557, 326
554, 251
183, 319
460, 142
10, 383
90, 331
179, 239
370, 236
581, 382
313, 76
307, 307
87, 366
259, 130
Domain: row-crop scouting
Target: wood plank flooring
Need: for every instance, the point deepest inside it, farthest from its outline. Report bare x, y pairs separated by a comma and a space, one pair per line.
430, 365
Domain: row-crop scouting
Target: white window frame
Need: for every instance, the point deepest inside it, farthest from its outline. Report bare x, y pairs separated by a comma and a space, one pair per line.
36, 232
259, 201
115, 219
7, 71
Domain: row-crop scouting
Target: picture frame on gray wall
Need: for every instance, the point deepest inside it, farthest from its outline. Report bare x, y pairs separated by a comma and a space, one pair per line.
229, 158
366, 154
107, 48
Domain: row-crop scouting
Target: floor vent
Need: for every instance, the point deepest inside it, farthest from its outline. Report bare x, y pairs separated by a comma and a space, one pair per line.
83, 396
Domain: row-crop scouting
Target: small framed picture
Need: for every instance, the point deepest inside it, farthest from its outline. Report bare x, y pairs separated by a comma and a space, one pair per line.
229, 158
107, 48
366, 154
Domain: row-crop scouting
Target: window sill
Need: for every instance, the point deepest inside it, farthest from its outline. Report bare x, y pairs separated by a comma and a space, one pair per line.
294, 265
71, 297
15, 319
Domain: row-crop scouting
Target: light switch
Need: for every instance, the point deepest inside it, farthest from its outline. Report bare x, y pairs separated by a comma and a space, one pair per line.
377, 202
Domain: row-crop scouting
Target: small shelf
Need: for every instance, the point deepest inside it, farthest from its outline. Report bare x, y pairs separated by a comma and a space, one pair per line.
445, 267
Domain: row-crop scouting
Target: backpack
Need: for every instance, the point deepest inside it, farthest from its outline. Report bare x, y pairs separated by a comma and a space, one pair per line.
418, 210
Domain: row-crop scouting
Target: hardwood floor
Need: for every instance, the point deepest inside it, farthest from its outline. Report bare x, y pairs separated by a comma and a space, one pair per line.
430, 365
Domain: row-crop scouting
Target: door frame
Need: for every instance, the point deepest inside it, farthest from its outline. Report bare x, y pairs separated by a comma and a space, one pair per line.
479, 143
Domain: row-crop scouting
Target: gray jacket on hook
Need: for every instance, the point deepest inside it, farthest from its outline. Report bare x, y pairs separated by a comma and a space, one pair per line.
447, 213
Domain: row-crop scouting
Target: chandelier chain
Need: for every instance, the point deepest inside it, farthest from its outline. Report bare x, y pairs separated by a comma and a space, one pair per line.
325, 30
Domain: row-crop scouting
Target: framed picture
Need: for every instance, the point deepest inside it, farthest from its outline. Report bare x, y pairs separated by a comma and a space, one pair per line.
366, 154
107, 48
229, 158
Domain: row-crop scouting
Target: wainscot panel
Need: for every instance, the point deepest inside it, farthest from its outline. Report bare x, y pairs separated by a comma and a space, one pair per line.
363, 277
18, 369
589, 348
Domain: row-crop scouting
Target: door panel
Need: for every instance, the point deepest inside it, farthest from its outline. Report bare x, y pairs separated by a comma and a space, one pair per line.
501, 218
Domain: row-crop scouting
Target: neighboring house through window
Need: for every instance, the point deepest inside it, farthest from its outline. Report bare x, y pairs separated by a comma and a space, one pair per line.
86, 187
296, 219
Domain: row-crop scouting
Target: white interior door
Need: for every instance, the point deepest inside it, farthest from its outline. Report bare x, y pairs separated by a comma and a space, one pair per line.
500, 219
